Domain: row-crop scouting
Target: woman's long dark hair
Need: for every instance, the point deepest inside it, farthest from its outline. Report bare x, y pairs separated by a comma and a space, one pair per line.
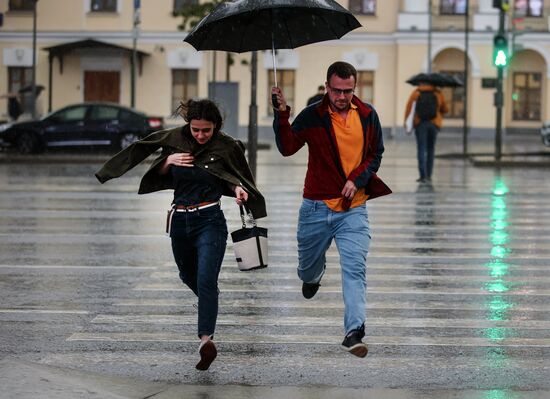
201, 109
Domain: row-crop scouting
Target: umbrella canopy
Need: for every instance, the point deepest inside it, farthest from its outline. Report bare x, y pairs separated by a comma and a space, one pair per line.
250, 25
436, 79
28, 89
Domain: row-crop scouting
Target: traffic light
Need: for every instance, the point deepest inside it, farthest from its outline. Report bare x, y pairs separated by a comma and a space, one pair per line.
500, 51
503, 5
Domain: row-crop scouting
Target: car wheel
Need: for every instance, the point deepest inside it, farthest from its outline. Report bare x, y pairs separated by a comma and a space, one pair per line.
27, 143
546, 141
126, 139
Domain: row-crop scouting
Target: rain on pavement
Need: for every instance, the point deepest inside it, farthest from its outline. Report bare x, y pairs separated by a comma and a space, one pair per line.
458, 282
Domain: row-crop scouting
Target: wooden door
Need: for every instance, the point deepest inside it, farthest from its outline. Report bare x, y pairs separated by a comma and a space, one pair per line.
102, 86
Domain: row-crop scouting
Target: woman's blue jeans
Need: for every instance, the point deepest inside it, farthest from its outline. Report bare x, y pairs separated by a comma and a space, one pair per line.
426, 134
317, 226
198, 243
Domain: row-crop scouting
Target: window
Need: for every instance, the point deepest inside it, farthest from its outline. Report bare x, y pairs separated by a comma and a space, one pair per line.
21, 5
71, 114
104, 5
454, 97
184, 86
104, 112
526, 96
364, 89
129, 117
367, 7
528, 8
285, 80
452, 7
180, 4
19, 77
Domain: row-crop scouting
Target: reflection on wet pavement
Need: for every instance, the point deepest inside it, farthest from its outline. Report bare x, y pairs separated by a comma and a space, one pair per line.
458, 283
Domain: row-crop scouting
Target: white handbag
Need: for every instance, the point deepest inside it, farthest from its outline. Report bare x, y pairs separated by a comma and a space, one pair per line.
250, 244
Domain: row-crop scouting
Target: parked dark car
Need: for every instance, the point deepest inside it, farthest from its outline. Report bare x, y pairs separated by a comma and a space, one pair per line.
78, 125
545, 133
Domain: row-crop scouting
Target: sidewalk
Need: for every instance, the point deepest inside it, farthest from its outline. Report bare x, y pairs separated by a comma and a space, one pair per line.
25, 380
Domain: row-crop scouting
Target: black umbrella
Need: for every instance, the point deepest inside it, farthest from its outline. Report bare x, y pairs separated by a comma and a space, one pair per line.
436, 79
249, 25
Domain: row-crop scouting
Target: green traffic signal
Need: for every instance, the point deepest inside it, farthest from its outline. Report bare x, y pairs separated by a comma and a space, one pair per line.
500, 51
500, 59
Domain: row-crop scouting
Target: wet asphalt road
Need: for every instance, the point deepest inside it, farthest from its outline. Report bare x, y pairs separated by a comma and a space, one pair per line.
458, 282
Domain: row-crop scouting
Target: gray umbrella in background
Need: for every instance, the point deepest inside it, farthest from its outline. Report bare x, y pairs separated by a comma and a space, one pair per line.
250, 25
28, 89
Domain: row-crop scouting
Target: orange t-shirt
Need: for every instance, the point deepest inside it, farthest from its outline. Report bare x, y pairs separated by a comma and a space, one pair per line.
349, 137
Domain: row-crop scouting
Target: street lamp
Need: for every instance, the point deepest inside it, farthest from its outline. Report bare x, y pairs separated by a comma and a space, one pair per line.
135, 32
33, 75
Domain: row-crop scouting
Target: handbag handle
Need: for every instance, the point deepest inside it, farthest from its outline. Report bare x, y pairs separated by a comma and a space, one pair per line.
248, 213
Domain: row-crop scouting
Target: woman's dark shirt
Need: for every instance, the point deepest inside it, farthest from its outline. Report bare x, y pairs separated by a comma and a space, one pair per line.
194, 185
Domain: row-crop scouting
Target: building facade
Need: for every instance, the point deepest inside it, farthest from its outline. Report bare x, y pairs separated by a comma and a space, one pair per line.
85, 52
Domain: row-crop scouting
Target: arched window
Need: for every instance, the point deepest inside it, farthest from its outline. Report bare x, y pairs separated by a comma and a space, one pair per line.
526, 96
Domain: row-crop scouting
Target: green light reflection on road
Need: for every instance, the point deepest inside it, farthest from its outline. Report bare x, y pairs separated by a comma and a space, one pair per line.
499, 237
497, 286
499, 225
500, 187
496, 394
500, 252
498, 269
498, 307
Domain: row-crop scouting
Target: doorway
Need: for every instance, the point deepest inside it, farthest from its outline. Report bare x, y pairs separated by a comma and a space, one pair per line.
102, 86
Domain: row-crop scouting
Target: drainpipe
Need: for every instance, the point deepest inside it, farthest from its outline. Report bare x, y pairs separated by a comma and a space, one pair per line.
430, 36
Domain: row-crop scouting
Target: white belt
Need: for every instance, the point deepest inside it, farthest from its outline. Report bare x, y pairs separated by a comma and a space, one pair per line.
191, 208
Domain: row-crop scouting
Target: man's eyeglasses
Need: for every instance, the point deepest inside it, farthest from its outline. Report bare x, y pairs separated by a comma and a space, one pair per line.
338, 92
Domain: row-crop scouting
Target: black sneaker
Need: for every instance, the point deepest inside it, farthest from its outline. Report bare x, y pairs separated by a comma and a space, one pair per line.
353, 344
208, 353
310, 289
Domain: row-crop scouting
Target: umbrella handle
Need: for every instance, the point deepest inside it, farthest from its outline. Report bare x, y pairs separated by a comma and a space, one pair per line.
274, 101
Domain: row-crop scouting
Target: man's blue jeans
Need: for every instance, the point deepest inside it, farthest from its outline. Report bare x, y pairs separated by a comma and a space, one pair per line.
198, 243
426, 134
317, 226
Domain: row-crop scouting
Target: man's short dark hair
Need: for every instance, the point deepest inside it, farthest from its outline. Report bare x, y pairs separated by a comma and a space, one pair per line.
201, 109
342, 69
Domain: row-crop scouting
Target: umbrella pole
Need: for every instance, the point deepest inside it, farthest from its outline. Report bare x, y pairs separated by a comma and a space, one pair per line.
274, 63
274, 101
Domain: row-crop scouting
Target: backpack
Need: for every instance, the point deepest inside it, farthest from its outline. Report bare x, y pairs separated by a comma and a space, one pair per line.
426, 105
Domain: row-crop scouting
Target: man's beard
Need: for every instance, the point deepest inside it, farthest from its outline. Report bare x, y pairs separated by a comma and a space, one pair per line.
341, 106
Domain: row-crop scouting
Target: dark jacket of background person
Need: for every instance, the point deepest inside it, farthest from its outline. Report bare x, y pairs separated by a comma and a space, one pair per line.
317, 97
222, 156
14, 108
441, 109
325, 176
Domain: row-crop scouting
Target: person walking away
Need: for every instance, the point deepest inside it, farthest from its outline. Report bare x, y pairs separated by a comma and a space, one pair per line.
200, 163
345, 145
430, 106
318, 96
14, 106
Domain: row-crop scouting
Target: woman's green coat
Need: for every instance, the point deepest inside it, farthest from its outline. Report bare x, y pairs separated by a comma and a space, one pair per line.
222, 156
